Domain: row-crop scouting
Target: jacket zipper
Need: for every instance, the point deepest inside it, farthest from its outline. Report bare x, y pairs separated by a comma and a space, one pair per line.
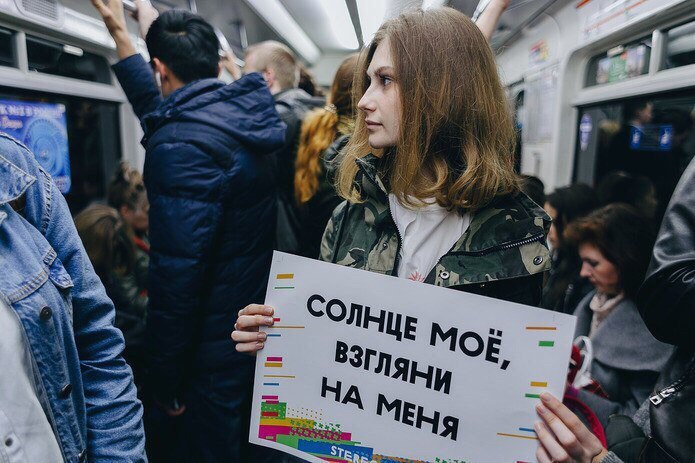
394, 271
667, 392
396, 262
504, 246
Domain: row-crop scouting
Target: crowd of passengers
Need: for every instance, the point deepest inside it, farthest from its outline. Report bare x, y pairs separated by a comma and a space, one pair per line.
395, 169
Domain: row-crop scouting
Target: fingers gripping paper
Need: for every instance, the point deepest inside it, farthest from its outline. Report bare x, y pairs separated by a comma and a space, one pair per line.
361, 367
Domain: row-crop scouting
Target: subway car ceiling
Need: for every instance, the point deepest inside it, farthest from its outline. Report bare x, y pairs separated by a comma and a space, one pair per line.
574, 71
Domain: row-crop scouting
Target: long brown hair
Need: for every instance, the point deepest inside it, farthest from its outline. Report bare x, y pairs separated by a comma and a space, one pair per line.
320, 129
457, 138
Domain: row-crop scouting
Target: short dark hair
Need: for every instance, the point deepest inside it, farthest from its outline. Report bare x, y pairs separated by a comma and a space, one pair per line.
534, 188
622, 187
623, 235
186, 43
571, 202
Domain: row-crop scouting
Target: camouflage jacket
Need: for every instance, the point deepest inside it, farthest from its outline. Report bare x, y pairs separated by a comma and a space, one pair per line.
502, 254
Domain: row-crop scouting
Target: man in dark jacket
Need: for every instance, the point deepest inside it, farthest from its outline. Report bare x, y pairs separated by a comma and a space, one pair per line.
212, 224
280, 70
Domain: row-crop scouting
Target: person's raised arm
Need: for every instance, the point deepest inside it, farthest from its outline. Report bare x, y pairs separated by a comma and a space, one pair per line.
133, 73
144, 14
114, 18
487, 22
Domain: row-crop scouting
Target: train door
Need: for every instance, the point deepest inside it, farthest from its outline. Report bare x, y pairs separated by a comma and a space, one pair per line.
649, 136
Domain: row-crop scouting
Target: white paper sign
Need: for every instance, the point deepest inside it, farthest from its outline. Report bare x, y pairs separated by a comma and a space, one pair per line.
362, 367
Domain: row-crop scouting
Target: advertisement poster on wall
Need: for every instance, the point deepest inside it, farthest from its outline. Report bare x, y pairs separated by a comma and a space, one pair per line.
42, 127
599, 17
369, 368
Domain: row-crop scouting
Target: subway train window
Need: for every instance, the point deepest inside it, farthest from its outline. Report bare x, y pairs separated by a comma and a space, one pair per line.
75, 139
620, 63
680, 46
7, 54
651, 137
67, 61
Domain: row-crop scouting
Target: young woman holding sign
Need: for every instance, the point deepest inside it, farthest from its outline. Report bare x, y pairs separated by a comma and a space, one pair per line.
428, 176
428, 180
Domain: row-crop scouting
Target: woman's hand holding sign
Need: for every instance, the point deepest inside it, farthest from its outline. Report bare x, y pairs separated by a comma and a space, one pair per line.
246, 334
563, 437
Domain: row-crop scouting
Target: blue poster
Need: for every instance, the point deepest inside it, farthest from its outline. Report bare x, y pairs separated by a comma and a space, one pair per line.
43, 128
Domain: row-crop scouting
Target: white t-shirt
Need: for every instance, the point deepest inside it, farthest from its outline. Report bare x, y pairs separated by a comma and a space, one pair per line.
26, 435
427, 233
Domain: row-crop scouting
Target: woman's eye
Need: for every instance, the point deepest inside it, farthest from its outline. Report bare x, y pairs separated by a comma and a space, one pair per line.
385, 80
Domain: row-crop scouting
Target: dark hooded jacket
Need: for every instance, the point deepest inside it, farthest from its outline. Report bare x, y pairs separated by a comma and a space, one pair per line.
292, 105
212, 216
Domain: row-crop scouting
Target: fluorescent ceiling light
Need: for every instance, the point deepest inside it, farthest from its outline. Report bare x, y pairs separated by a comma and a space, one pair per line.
339, 19
372, 14
426, 4
277, 17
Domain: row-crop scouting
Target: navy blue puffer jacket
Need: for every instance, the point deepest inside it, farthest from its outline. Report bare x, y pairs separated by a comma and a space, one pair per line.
212, 216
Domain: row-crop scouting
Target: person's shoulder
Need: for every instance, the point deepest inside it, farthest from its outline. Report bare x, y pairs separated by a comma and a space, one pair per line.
517, 206
14, 150
509, 217
18, 167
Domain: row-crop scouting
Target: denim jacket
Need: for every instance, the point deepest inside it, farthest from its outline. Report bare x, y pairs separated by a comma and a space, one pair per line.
84, 385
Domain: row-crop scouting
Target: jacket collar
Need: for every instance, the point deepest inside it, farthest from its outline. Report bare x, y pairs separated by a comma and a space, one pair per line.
622, 340
13, 181
199, 94
529, 221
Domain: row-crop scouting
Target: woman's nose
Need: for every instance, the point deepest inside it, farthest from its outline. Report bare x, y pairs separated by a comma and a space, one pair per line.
366, 103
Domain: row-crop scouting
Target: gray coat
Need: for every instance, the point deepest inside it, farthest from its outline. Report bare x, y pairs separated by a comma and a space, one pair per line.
627, 358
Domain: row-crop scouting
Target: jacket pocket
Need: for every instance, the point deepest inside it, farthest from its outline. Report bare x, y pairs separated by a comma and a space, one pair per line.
62, 281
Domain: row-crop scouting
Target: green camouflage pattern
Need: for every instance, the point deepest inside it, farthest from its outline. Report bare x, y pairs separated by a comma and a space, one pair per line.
505, 240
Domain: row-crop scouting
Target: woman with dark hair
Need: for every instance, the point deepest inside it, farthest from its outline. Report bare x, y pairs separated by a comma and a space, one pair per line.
614, 244
109, 244
324, 133
427, 176
565, 287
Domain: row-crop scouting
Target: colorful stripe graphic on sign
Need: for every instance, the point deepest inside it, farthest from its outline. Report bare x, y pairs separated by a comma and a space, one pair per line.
323, 440
518, 436
286, 280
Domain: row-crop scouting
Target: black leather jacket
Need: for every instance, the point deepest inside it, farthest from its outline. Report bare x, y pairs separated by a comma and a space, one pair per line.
667, 304
667, 297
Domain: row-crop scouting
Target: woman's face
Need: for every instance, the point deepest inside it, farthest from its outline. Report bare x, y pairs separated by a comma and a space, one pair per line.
381, 103
598, 270
553, 238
